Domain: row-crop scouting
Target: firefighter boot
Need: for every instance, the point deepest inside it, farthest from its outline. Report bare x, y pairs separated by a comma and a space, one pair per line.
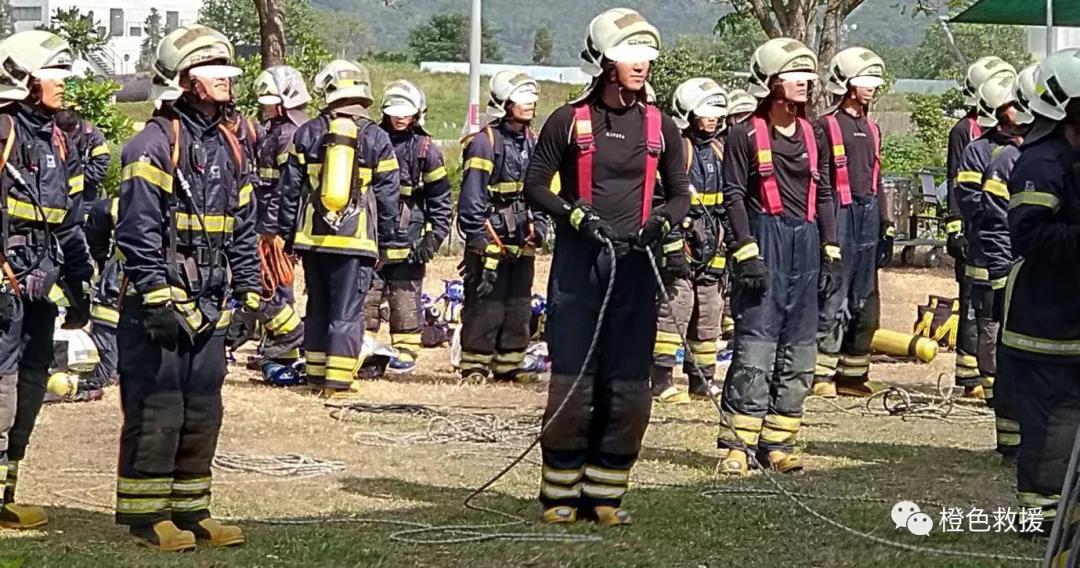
858, 389
782, 462
824, 389
607, 516
664, 389
977, 392
211, 532
561, 515
163, 536
351, 393
734, 463
22, 517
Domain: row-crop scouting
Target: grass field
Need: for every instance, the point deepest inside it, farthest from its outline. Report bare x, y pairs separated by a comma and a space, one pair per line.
391, 476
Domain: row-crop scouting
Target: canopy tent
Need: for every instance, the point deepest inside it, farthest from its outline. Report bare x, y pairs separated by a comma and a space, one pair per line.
1024, 13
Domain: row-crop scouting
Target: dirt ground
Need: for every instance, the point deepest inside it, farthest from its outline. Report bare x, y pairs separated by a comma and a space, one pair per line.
392, 471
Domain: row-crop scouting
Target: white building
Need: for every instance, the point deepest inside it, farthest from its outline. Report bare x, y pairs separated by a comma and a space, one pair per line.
120, 20
1064, 38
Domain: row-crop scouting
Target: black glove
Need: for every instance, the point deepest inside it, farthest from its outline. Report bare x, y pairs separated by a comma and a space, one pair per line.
751, 273
486, 286
425, 250
656, 228
77, 315
955, 242
675, 262
885, 244
162, 326
832, 270
242, 327
585, 219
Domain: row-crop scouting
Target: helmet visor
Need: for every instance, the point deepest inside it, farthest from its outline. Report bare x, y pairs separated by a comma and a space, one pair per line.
798, 76
52, 73
269, 100
400, 109
215, 71
710, 111
635, 49
524, 95
866, 81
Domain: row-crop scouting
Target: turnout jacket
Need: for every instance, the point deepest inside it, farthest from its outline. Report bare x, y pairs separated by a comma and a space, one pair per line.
1042, 314
968, 194
154, 204
51, 202
701, 232
963, 132
375, 192
492, 188
992, 216
93, 153
100, 225
273, 153
425, 203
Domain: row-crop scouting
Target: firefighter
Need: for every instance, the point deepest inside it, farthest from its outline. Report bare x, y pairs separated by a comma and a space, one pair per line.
741, 105
339, 207
423, 222
693, 255
608, 146
966, 130
93, 151
849, 318
105, 309
186, 232
501, 233
1040, 331
46, 261
997, 117
995, 247
780, 207
283, 96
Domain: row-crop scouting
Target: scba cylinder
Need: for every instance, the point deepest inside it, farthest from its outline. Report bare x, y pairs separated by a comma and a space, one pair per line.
339, 165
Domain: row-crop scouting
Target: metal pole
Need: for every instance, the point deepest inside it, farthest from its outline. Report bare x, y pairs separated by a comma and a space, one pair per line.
952, 42
472, 120
1049, 27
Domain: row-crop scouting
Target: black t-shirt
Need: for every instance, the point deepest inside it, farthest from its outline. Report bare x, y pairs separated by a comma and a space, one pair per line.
858, 147
742, 192
618, 167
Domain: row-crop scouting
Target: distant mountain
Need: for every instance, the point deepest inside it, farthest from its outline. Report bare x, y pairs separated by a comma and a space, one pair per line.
877, 21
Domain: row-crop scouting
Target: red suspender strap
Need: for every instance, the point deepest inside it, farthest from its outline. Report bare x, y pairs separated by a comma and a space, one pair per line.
812, 155
653, 147
875, 172
974, 129
586, 145
839, 160
770, 192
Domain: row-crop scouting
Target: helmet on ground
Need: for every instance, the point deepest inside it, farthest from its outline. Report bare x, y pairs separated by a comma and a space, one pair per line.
621, 35
1057, 82
1024, 91
511, 86
855, 67
196, 49
403, 99
740, 101
282, 85
34, 53
698, 97
994, 94
341, 80
981, 71
780, 57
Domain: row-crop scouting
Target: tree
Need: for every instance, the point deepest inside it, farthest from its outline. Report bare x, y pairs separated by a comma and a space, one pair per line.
345, 35
78, 29
445, 37
271, 31
7, 23
543, 46
152, 34
934, 59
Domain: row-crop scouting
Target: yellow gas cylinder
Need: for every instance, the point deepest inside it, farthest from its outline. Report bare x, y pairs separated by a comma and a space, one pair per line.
339, 165
901, 344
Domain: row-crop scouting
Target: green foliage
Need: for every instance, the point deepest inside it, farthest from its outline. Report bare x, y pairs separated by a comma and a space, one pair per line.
345, 36
904, 153
152, 34
543, 46
92, 98
111, 184
934, 57
445, 37
78, 29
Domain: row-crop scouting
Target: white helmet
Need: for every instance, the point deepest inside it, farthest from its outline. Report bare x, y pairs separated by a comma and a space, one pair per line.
162, 91
402, 99
282, 85
981, 71
37, 53
700, 97
855, 67
341, 80
194, 47
622, 35
784, 57
510, 86
740, 101
1025, 93
994, 94
1057, 82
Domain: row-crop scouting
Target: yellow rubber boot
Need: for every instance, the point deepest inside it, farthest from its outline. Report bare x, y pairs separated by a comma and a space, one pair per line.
673, 395
859, 389
612, 516
212, 533
784, 462
734, 463
824, 389
561, 515
22, 517
351, 393
977, 392
163, 536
